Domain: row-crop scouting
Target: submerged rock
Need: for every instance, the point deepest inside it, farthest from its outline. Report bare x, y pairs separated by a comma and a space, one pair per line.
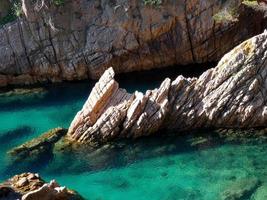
261, 193
241, 189
23, 92
29, 186
243, 135
231, 95
38, 146
73, 40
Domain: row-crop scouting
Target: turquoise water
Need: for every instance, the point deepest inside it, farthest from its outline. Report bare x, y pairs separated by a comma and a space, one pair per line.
165, 168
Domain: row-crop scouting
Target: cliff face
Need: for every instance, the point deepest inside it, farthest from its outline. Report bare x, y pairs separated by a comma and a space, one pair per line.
233, 94
80, 39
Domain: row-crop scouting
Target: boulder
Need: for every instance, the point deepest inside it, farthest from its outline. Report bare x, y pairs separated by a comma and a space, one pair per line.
29, 186
231, 95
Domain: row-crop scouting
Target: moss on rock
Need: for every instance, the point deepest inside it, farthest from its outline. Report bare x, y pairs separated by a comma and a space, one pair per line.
37, 146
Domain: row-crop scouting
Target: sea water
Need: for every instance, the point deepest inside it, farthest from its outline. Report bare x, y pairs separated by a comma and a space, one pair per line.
164, 168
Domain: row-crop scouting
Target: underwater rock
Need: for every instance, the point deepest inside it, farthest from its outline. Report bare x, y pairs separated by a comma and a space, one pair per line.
261, 193
23, 91
40, 145
258, 135
29, 186
231, 95
73, 40
241, 189
21, 94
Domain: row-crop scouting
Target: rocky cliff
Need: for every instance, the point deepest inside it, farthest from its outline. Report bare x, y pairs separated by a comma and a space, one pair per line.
233, 94
79, 39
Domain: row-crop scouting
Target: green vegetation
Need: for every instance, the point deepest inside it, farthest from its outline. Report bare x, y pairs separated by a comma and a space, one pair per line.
17, 8
59, 2
153, 2
12, 13
230, 11
226, 15
250, 3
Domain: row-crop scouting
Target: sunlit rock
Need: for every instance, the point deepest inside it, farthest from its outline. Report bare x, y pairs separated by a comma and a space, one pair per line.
29, 186
231, 95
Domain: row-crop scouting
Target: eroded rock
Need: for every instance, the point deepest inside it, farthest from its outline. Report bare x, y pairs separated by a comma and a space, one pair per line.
231, 95
29, 186
81, 39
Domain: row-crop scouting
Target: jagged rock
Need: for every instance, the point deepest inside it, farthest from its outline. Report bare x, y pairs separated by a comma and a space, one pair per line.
37, 146
231, 95
29, 186
81, 39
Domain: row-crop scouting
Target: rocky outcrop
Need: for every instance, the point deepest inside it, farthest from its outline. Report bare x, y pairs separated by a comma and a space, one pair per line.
233, 94
29, 186
67, 40
41, 145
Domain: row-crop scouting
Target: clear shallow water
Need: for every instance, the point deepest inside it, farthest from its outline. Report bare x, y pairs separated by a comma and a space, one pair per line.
167, 168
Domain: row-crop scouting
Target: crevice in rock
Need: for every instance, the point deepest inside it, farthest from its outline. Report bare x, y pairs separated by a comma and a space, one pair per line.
188, 29
209, 101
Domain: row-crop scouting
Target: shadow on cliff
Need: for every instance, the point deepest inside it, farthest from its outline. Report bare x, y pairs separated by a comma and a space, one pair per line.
147, 80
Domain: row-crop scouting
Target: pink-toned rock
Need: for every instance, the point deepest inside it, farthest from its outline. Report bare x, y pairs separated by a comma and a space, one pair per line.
233, 94
29, 186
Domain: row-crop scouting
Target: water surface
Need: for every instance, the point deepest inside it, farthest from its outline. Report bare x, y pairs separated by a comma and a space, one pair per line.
165, 168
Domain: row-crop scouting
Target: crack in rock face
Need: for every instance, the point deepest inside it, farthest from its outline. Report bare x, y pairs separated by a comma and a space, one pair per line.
81, 39
233, 94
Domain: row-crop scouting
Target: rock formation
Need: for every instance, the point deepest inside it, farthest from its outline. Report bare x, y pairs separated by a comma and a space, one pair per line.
80, 39
41, 145
231, 95
29, 186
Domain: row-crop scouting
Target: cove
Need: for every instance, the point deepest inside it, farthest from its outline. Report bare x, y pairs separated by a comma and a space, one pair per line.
151, 168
